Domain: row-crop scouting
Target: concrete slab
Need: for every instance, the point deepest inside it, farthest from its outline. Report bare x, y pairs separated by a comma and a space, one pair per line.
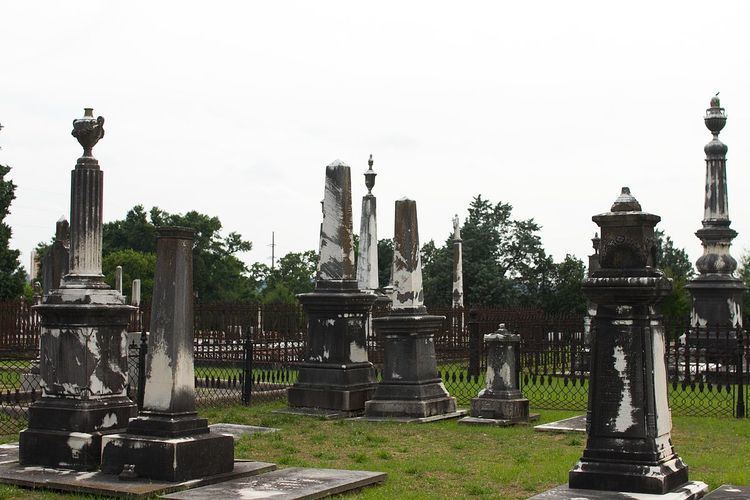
572, 424
8, 453
533, 417
688, 491
411, 420
98, 483
729, 492
238, 430
286, 484
321, 413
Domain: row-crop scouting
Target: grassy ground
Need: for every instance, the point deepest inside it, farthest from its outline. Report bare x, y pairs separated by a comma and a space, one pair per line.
444, 460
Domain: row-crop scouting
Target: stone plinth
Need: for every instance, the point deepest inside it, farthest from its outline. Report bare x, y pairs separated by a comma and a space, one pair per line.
501, 399
168, 441
629, 445
83, 344
411, 387
336, 374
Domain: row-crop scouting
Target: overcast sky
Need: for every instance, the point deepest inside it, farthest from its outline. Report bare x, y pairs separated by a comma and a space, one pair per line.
234, 109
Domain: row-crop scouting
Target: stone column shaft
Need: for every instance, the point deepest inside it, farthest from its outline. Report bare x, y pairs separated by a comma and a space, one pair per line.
86, 199
367, 262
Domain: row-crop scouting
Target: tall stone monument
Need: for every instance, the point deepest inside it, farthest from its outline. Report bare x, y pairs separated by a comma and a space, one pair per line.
367, 261
458, 270
55, 263
168, 441
411, 387
501, 401
336, 374
84, 356
629, 446
716, 292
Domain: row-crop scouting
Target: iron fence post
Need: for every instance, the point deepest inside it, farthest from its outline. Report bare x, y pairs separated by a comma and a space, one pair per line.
142, 349
474, 344
247, 368
740, 375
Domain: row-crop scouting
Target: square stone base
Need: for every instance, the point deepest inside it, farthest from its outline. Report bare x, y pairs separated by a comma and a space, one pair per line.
500, 409
340, 400
497, 421
60, 449
169, 459
100, 484
414, 420
655, 479
687, 491
390, 408
572, 424
319, 413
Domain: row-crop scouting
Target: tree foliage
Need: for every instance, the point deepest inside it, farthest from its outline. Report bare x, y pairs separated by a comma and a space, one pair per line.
135, 265
12, 275
674, 263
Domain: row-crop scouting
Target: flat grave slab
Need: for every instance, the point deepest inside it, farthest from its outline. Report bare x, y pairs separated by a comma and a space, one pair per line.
98, 483
572, 424
533, 417
8, 453
238, 430
321, 413
688, 491
412, 420
730, 492
286, 484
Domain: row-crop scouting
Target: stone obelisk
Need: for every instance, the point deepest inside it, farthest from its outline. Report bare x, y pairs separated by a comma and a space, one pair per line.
411, 388
84, 356
168, 441
716, 292
629, 446
367, 261
458, 269
336, 376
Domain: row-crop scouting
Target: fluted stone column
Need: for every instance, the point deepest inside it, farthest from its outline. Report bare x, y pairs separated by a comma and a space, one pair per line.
83, 346
168, 441
336, 375
411, 388
629, 446
716, 292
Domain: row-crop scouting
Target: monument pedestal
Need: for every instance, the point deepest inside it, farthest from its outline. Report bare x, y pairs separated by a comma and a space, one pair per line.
336, 374
411, 387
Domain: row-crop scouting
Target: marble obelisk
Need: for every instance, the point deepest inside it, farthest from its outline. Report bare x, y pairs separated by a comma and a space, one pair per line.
716, 293
458, 265
367, 261
411, 387
629, 445
84, 355
168, 441
336, 376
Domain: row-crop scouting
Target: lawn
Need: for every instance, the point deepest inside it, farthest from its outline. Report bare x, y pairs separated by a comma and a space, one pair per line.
444, 460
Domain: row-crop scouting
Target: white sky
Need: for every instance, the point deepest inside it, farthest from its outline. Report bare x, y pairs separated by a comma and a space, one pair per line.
235, 108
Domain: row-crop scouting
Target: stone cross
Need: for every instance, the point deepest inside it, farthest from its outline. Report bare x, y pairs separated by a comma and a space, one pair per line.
407, 262
367, 261
716, 293
336, 264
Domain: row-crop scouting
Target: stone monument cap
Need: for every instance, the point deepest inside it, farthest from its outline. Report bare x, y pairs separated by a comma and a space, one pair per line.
626, 202
502, 334
176, 232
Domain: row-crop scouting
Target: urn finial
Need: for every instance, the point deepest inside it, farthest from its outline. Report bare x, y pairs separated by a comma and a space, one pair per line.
370, 176
88, 130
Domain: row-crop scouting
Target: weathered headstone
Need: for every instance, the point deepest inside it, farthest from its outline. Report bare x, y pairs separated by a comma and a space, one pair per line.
629, 445
411, 387
716, 292
168, 441
336, 374
55, 263
118, 279
84, 358
501, 401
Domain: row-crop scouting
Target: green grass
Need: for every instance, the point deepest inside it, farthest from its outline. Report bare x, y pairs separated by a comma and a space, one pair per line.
445, 460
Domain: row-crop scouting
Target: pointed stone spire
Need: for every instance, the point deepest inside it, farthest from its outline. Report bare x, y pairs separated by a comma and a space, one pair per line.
407, 263
458, 270
336, 263
367, 261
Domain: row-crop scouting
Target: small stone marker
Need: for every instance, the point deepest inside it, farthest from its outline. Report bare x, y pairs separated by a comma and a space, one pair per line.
411, 388
56, 262
572, 424
336, 375
135, 293
729, 492
168, 441
501, 401
118, 279
239, 430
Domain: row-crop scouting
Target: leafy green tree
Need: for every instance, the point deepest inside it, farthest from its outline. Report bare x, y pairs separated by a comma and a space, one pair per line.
135, 265
674, 263
296, 271
12, 275
744, 274
385, 261
564, 294
437, 274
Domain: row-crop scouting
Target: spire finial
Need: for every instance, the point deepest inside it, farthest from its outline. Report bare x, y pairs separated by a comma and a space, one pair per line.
370, 176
